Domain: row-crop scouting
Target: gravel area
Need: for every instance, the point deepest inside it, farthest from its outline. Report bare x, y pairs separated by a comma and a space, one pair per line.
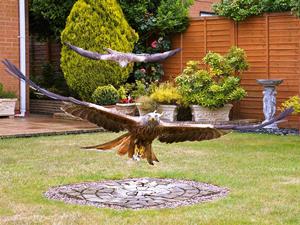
137, 193
274, 131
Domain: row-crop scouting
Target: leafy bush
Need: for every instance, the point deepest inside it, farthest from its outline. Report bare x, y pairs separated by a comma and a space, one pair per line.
6, 94
166, 93
93, 25
239, 10
294, 102
217, 86
172, 15
105, 95
122, 92
154, 21
139, 88
296, 7
233, 62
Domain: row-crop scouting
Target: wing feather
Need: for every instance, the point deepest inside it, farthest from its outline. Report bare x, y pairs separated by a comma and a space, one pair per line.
88, 54
180, 132
109, 119
157, 57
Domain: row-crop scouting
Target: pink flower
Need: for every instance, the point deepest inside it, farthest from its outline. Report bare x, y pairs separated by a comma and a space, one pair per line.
154, 44
143, 70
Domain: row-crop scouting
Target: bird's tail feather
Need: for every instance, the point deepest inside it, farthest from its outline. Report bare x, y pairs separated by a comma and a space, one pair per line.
109, 145
124, 146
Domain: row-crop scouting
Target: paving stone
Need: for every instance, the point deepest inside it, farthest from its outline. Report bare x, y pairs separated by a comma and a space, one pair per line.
137, 193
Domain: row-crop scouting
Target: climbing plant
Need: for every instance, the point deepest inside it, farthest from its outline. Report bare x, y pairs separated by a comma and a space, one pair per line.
239, 10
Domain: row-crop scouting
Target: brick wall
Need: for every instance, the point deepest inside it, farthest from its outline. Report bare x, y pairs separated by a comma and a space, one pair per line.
201, 5
9, 42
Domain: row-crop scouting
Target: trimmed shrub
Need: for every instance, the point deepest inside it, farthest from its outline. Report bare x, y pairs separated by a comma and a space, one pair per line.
105, 95
166, 93
93, 25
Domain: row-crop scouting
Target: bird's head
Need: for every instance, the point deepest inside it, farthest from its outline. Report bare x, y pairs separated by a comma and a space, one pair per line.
152, 119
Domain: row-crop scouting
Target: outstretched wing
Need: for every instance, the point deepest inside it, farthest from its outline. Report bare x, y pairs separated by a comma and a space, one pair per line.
277, 119
157, 57
179, 132
123, 58
89, 54
109, 119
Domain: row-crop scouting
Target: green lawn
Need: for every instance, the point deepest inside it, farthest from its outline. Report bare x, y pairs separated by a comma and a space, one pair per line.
261, 171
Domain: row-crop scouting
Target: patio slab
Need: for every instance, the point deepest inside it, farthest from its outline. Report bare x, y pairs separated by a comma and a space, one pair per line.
36, 125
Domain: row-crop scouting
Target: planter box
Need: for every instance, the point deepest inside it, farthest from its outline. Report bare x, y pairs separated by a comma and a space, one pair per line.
169, 112
206, 115
126, 108
7, 106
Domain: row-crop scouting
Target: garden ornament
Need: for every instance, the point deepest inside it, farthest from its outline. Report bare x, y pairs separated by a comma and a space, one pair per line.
141, 131
123, 58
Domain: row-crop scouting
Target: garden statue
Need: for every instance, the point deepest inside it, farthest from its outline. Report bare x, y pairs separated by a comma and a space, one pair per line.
141, 131
269, 103
123, 58
269, 99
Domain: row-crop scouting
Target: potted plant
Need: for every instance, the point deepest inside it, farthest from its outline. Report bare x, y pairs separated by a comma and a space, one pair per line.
126, 103
7, 102
210, 92
106, 96
141, 91
167, 97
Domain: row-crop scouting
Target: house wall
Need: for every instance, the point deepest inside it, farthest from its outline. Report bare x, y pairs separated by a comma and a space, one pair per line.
202, 5
10, 44
271, 42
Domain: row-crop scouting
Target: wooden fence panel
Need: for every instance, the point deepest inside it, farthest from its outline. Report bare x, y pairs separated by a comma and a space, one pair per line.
272, 44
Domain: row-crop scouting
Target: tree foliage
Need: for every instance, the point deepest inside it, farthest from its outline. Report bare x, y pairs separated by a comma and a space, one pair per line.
93, 25
48, 17
239, 10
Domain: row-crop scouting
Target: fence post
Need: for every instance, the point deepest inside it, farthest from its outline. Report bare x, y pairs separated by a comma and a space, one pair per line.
268, 45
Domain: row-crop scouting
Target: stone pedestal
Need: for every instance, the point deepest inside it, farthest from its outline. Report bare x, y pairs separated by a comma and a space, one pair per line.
269, 99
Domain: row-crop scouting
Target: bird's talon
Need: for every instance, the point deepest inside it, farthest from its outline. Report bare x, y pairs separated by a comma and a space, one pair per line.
136, 158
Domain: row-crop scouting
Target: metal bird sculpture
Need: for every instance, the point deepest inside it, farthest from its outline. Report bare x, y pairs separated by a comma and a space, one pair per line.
123, 58
141, 131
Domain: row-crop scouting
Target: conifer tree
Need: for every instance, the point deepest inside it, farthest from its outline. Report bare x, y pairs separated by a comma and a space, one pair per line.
94, 25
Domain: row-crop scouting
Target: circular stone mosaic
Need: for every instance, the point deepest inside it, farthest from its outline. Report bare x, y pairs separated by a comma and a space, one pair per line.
137, 193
